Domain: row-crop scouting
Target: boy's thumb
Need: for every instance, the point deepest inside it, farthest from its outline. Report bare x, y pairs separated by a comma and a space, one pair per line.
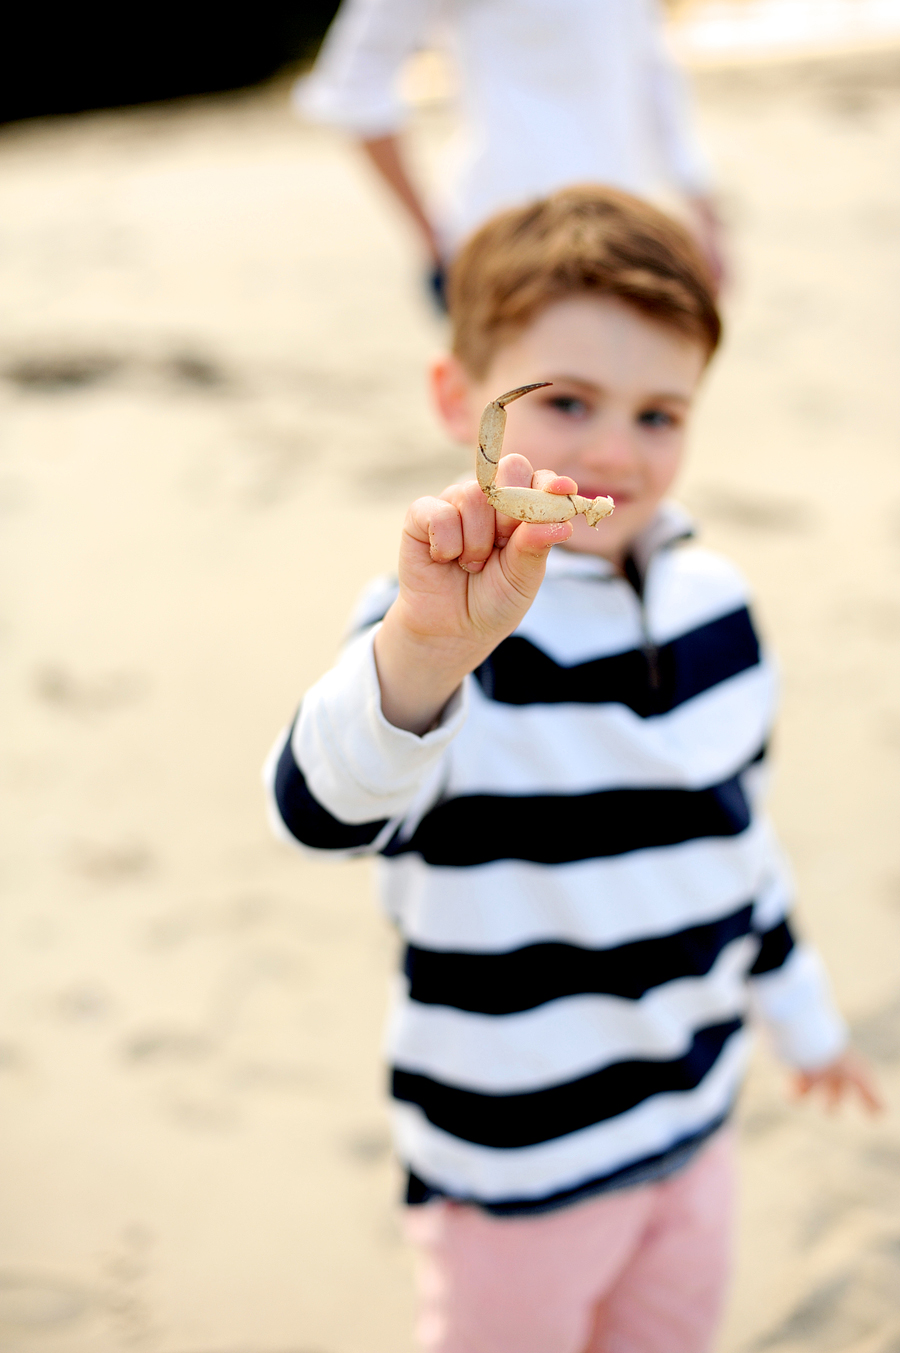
525, 557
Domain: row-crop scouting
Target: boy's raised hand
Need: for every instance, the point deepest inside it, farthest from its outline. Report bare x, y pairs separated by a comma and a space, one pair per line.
467, 577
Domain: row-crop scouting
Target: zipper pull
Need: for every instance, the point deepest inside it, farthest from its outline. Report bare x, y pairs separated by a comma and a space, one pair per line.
651, 653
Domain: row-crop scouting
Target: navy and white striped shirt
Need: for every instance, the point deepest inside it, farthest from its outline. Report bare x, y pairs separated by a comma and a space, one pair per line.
590, 896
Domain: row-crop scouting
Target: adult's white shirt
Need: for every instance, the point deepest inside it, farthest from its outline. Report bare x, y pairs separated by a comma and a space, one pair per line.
551, 92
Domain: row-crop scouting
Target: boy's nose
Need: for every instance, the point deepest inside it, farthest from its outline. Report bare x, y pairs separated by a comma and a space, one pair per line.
611, 447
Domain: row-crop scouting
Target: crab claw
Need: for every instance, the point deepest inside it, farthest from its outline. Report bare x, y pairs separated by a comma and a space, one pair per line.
521, 390
490, 433
525, 504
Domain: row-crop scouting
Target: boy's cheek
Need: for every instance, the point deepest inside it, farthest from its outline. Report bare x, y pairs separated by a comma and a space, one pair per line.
542, 451
666, 465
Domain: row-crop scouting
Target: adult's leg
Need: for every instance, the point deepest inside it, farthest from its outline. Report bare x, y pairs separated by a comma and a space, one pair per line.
520, 1284
668, 1298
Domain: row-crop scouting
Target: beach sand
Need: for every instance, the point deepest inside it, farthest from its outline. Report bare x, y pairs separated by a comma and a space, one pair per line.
212, 335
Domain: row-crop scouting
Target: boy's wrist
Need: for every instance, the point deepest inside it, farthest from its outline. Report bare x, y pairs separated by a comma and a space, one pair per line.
418, 673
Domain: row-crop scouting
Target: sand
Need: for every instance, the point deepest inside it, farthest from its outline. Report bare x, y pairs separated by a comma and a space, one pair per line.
210, 315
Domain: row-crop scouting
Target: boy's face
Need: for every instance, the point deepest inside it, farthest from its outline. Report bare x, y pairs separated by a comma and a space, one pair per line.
614, 418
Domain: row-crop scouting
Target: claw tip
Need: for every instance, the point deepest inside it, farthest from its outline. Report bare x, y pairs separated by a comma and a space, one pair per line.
510, 395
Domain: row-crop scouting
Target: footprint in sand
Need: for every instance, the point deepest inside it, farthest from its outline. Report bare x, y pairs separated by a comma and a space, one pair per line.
56, 684
34, 1304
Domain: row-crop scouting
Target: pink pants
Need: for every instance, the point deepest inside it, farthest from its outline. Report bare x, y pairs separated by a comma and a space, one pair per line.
639, 1270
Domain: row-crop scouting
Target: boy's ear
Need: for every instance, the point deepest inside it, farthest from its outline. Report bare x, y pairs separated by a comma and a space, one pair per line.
453, 392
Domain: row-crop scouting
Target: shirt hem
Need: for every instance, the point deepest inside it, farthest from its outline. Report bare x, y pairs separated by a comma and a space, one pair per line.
651, 1170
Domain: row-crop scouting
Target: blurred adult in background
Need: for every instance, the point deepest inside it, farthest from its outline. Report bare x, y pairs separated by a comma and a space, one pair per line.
550, 92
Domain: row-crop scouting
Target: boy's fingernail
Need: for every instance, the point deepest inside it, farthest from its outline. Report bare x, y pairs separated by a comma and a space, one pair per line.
475, 566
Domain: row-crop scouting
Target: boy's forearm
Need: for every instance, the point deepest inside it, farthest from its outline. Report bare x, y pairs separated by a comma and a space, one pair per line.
342, 772
795, 1003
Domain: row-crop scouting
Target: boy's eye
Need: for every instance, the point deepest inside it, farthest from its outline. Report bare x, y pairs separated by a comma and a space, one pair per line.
656, 418
568, 404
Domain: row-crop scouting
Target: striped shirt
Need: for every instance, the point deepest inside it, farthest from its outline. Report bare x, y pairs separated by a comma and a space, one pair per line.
590, 893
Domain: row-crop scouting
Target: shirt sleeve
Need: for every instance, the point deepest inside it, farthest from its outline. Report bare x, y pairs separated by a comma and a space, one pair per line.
341, 779
790, 993
354, 84
682, 157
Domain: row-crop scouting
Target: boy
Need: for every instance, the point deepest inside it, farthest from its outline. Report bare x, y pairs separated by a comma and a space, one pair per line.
562, 778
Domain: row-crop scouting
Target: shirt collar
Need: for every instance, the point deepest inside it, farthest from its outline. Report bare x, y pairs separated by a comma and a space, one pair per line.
670, 524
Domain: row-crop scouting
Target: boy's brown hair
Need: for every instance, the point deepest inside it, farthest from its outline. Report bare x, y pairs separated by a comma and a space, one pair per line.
581, 239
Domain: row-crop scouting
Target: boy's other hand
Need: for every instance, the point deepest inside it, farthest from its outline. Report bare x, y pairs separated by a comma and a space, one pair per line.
467, 577
849, 1075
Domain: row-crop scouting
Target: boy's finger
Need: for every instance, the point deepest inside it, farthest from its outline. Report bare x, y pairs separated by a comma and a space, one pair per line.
478, 521
525, 556
437, 524
867, 1092
551, 482
513, 472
